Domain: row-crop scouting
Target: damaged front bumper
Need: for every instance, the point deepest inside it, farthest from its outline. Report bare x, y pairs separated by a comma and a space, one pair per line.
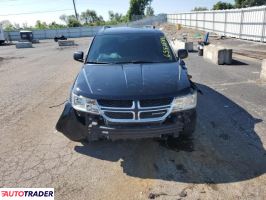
78, 126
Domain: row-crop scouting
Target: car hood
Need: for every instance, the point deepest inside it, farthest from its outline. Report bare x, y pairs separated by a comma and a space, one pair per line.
131, 81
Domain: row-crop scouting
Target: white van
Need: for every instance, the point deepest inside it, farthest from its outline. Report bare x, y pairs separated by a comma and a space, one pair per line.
2, 35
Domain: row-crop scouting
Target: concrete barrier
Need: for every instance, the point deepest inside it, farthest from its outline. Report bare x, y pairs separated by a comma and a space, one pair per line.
20, 45
263, 71
178, 44
228, 56
218, 54
35, 41
66, 43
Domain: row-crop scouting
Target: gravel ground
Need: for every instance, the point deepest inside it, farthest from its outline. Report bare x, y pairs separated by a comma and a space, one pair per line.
226, 159
247, 48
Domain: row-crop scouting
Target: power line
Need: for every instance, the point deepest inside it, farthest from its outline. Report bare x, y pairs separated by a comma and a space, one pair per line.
76, 14
17, 2
8, 1
36, 12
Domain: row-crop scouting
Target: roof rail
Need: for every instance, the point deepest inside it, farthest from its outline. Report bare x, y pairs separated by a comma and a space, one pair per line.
150, 26
106, 27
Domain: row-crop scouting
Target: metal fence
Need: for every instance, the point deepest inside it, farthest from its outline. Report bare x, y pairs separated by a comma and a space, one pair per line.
82, 31
51, 33
246, 23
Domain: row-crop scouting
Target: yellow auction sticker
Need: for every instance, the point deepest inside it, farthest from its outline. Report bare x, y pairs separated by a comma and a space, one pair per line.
166, 50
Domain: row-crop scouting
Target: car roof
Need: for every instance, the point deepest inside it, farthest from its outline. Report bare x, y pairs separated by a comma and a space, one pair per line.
126, 30
23, 31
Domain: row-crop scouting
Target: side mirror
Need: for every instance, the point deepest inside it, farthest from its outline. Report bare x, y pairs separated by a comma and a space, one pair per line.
182, 53
78, 56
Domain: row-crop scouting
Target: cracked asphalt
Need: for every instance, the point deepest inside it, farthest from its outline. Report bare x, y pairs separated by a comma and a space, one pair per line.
225, 159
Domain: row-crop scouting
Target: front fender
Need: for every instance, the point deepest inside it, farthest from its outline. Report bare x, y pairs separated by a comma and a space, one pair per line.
71, 124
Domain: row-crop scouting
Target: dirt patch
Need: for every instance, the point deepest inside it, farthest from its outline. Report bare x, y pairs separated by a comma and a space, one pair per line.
240, 47
171, 32
252, 54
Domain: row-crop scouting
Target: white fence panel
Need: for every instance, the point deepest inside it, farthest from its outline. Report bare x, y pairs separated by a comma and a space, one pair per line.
234, 17
264, 33
219, 27
246, 23
219, 17
208, 26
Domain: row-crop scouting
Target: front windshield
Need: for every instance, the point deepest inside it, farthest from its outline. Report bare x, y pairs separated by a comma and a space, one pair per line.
130, 48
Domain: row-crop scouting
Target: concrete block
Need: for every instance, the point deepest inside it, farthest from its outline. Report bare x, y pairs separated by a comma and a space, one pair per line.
218, 55
20, 45
263, 71
35, 41
66, 43
228, 56
178, 44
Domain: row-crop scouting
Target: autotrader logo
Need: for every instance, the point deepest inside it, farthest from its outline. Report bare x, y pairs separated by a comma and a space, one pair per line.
27, 193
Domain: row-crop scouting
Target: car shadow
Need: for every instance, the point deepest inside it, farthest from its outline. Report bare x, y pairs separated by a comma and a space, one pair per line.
225, 148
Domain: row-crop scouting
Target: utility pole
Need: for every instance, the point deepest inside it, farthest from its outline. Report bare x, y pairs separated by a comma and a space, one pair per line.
76, 14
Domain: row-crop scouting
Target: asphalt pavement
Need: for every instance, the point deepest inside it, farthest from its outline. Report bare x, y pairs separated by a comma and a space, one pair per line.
225, 159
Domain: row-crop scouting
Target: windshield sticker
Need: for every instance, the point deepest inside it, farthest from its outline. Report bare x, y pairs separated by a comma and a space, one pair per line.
166, 50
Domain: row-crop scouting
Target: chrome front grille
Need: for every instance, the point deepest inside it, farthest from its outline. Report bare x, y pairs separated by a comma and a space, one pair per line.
119, 115
135, 111
115, 103
155, 102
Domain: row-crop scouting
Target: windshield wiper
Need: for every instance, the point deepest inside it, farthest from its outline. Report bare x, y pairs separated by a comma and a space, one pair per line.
134, 62
97, 63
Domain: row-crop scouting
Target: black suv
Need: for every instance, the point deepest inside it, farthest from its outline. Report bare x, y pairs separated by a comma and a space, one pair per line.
131, 86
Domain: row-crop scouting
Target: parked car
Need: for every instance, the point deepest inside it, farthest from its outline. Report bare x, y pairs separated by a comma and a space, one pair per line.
131, 85
26, 36
2, 35
61, 37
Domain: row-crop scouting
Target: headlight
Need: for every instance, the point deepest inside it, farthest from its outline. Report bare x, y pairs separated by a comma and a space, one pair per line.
185, 102
84, 104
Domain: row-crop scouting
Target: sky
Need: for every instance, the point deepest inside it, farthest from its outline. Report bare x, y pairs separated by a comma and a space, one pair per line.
17, 11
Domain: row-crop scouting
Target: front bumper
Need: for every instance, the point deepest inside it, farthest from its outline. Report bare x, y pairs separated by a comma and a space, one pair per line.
78, 126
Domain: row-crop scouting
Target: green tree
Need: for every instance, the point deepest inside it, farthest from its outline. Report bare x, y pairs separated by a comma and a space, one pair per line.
73, 22
222, 6
54, 25
149, 11
41, 25
116, 18
70, 20
7, 25
91, 17
137, 8
64, 18
200, 9
25, 26
16, 26
249, 3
